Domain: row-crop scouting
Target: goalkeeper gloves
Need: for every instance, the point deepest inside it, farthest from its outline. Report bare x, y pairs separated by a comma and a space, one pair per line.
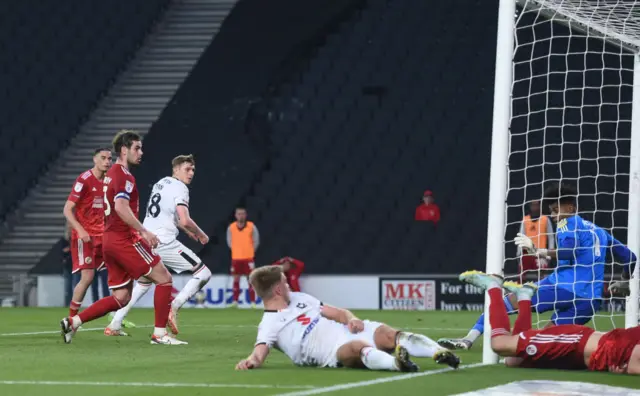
525, 243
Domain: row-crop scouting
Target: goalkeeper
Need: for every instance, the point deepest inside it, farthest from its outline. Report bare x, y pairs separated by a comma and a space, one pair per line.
575, 287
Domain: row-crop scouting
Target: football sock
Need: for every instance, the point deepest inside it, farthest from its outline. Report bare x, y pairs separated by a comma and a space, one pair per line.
236, 289
252, 293
96, 310
418, 345
139, 290
161, 307
498, 316
74, 307
191, 288
523, 321
375, 359
478, 329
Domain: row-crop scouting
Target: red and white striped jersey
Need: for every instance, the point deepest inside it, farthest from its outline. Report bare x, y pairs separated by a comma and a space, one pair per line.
557, 347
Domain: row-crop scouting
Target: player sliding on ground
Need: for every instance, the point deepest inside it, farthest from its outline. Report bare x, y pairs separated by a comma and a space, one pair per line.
168, 210
569, 347
313, 334
127, 247
574, 290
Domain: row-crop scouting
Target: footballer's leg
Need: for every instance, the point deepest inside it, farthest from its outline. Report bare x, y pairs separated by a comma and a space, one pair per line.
83, 261
478, 328
387, 338
118, 320
359, 354
86, 279
524, 293
162, 304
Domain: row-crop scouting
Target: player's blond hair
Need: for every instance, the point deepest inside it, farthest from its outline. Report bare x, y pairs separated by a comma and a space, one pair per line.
263, 279
181, 159
125, 138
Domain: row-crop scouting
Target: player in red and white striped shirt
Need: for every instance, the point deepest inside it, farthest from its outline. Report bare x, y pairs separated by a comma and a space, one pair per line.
568, 347
85, 213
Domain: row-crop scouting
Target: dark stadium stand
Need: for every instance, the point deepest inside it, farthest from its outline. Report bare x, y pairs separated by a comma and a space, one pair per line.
57, 59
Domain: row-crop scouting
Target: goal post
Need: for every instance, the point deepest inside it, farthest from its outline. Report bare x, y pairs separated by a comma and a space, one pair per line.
566, 109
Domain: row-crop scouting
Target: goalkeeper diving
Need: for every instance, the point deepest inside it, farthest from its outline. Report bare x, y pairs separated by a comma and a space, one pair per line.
574, 289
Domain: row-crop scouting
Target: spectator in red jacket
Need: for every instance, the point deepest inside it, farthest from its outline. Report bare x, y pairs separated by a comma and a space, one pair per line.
428, 210
292, 269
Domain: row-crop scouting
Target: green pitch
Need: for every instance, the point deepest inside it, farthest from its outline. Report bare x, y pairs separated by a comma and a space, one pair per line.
35, 361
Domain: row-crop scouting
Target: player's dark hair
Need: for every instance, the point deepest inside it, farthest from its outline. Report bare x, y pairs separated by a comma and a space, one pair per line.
561, 193
101, 149
241, 208
181, 159
125, 138
263, 279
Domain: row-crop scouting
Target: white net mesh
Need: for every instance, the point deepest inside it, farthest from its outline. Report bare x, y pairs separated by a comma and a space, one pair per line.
571, 123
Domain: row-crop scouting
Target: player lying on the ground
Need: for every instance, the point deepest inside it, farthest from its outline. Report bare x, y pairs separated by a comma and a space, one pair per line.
313, 334
127, 247
292, 269
168, 210
570, 347
574, 290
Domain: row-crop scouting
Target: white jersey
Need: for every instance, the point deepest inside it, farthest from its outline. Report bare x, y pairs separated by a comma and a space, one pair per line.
304, 335
162, 217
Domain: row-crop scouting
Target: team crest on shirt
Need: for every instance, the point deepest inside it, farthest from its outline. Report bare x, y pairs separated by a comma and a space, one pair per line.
531, 350
87, 260
128, 186
301, 305
78, 187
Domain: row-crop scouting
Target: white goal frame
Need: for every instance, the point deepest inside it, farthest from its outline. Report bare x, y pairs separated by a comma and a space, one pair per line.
500, 149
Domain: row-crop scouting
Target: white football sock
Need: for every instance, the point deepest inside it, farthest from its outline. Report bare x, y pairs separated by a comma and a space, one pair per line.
473, 335
418, 345
191, 288
139, 290
159, 332
375, 359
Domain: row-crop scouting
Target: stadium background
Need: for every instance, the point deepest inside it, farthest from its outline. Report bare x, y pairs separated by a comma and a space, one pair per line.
325, 119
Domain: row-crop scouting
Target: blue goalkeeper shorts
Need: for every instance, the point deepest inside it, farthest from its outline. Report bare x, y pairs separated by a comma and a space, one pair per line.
568, 308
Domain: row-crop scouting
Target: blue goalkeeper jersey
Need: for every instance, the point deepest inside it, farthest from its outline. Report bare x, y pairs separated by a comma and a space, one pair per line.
582, 249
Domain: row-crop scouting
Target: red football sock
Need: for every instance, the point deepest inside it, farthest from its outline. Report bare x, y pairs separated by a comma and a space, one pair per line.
252, 294
99, 308
236, 289
162, 304
74, 308
523, 321
498, 316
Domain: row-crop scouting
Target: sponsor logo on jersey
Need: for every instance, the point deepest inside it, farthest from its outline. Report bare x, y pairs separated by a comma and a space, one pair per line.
78, 187
93, 189
128, 186
531, 350
310, 327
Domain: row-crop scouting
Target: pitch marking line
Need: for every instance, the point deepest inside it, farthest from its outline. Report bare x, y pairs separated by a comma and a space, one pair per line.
215, 326
155, 384
359, 384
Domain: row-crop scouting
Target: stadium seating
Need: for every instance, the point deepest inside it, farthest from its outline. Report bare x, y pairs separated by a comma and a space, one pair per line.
356, 132
57, 59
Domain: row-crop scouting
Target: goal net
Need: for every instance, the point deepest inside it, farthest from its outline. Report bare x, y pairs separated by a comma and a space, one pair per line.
571, 122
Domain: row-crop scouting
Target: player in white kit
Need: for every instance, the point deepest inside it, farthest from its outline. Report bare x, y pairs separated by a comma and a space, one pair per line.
168, 210
313, 334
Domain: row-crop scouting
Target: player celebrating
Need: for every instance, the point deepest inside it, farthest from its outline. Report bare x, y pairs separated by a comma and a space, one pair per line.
168, 209
292, 269
569, 347
126, 246
575, 287
243, 239
313, 334
84, 212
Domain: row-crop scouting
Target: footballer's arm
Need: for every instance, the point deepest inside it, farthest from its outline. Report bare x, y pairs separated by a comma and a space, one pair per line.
125, 213
256, 359
186, 222
343, 316
69, 214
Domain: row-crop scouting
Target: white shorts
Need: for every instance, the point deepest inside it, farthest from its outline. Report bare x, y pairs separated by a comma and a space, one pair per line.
343, 336
178, 257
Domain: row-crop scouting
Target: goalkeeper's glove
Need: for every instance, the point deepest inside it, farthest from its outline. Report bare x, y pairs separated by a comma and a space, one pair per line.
524, 242
619, 287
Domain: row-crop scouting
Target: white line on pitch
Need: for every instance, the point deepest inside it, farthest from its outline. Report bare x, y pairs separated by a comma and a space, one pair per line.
154, 384
377, 381
214, 326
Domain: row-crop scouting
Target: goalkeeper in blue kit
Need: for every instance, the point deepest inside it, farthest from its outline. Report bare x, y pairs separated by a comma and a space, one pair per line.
574, 289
